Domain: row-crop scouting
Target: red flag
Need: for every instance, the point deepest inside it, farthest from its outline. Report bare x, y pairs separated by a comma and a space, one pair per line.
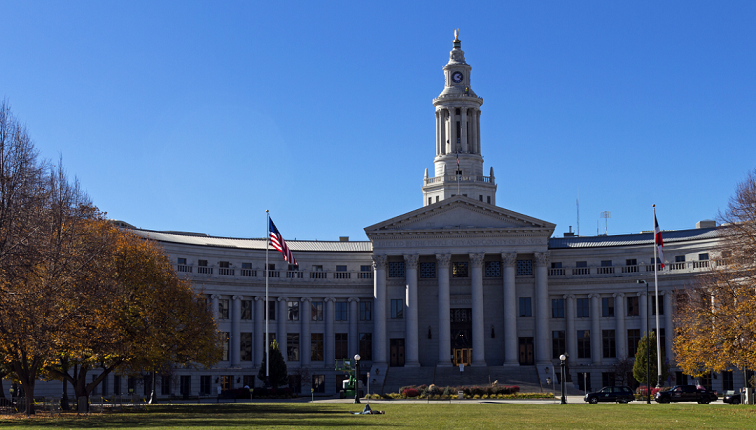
658, 241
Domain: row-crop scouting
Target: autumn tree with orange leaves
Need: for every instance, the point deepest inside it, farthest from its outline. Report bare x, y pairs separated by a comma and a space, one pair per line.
716, 319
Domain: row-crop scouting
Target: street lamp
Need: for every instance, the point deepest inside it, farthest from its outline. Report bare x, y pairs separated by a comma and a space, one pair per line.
562, 360
648, 349
357, 378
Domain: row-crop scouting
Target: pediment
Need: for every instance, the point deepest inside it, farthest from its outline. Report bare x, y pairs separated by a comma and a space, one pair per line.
460, 213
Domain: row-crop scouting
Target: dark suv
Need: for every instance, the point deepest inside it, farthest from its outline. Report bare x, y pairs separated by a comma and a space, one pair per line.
685, 393
610, 394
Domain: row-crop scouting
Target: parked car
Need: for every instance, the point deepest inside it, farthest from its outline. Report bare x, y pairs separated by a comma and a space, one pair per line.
686, 393
731, 397
610, 394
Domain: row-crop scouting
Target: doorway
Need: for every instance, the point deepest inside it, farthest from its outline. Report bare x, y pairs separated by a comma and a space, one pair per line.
397, 353
526, 351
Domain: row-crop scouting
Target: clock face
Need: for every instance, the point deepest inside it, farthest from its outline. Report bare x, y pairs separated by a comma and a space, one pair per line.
457, 77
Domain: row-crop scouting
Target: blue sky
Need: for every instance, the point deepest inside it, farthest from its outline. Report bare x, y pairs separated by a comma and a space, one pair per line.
199, 116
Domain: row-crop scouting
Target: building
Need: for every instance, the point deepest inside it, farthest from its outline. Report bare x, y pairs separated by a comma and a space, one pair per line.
459, 281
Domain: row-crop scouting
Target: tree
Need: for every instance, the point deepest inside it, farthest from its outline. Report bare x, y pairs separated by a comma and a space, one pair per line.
639, 367
620, 369
277, 371
715, 325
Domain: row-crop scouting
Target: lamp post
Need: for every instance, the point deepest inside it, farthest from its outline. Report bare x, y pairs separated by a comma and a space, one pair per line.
648, 349
357, 379
562, 360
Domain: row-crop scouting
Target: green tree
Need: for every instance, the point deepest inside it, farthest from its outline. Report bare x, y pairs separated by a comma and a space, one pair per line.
639, 368
278, 372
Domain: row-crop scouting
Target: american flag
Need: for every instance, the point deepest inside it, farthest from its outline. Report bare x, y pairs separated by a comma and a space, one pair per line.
277, 241
658, 241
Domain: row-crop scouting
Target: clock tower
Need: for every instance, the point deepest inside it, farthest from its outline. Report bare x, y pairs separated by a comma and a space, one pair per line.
458, 162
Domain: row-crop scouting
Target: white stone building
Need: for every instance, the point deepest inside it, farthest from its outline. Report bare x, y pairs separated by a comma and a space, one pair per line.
457, 281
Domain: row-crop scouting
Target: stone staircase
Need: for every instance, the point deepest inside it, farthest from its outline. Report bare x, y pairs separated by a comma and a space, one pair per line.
525, 377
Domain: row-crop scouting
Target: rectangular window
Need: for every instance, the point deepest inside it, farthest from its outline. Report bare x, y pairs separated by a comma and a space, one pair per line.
727, 382
556, 265
661, 305
247, 270
318, 383
633, 338
631, 262
525, 307
165, 385
245, 346
317, 311
366, 346
292, 346
293, 311
396, 269
557, 344
557, 310
584, 343
607, 307
583, 308
581, 264
428, 270
488, 199
316, 345
248, 381
662, 339
703, 257
224, 340
95, 390
342, 345
202, 263
459, 269
607, 379
223, 309
117, 385
341, 268
182, 261
366, 311
480, 196
341, 311
609, 344
397, 308
493, 269
246, 309
606, 263
632, 306
679, 259
205, 383
271, 310
366, 272
524, 267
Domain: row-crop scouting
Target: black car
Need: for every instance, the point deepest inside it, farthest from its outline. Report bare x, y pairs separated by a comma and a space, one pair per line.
610, 394
686, 393
731, 397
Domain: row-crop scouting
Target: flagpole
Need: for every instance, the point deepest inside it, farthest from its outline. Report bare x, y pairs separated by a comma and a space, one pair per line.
656, 303
267, 345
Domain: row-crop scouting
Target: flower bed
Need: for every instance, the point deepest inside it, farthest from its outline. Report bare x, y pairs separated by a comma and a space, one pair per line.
475, 392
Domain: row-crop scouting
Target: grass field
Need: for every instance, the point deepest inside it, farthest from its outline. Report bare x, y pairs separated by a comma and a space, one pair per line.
411, 416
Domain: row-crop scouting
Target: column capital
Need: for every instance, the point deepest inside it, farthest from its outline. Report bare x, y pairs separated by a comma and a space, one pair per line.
596, 295
618, 295
215, 296
509, 259
641, 293
477, 259
283, 299
410, 261
570, 296
542, 258
260, 298
443, 260
329, 299
237, 297
380, 261
353, 299
305, 299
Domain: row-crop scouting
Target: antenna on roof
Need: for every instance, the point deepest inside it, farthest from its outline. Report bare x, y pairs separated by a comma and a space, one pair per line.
606, 215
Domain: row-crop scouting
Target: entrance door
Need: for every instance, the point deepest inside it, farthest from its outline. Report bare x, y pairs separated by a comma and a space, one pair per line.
526, 351
461, 336
462, 356
397, 353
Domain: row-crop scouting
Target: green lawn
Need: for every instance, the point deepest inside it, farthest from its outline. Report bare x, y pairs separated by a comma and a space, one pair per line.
415, 416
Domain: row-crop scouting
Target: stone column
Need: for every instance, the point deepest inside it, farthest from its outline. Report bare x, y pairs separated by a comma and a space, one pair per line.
621, 335
259, 333
463, 129
444, 320
451, 143
542, 307
511, 347
570, 334
354, 317
478, 326
669, 331
380, 343
477, 133
235, 343
304, 338
597, 336
474, 131
215, 298
411, 351
439, 134
281, 332
329, 344
644, 312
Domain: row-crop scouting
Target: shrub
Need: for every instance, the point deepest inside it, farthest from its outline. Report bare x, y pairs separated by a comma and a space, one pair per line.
410, 392
447, 391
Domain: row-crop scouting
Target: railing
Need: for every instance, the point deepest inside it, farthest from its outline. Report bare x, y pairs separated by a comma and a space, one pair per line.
294, 274
318, 275
341, 275
204, 270
365, 275
676, 266
606, 270
184, 268
274, 274
462, 178
630, 269
700, 264
226, 271
450, 96
581, 271
635, 270
248, 272
556, 272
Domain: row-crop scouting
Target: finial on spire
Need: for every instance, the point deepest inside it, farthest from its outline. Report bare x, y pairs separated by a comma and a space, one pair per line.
456, 35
